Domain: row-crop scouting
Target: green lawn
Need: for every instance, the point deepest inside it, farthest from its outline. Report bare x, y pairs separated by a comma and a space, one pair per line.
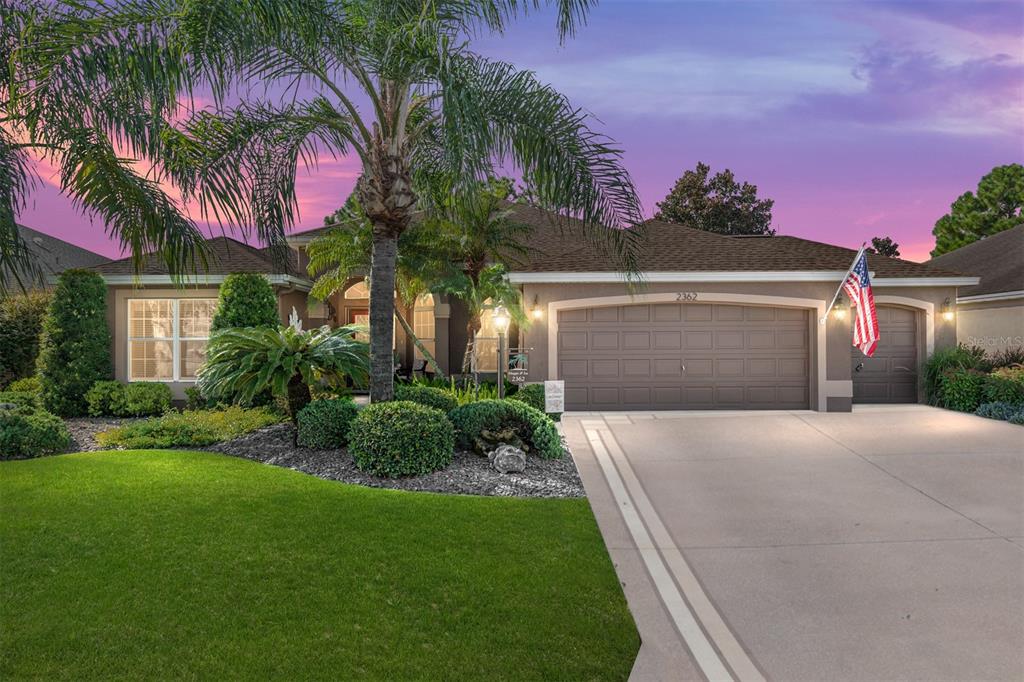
169, 564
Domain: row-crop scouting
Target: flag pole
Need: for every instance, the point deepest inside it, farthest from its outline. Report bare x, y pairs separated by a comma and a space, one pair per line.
856, 258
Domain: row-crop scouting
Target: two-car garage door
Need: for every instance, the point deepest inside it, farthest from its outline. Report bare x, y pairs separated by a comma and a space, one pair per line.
672, 356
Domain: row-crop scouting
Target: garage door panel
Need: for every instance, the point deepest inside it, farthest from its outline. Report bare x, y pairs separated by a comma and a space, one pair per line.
566, 316
685, 356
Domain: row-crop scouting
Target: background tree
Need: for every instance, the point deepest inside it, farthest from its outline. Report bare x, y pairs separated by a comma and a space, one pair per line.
246, 300
884, 246
74, 351
435, 114
21, 321
998, 205
717, 204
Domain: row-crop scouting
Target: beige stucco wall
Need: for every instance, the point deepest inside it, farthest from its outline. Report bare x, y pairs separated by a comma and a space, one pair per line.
994, 326
831, 382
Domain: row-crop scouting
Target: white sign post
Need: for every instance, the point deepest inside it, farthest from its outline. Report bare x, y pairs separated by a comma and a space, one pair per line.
554, 397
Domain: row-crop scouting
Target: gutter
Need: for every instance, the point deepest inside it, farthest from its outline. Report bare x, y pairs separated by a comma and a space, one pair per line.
1000, 296
197, 280
730, 276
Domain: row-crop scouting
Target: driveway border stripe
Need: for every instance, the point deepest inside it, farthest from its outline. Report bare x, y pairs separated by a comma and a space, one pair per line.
703, 651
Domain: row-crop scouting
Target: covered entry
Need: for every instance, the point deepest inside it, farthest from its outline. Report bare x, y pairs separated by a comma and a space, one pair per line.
890, 375
679, 356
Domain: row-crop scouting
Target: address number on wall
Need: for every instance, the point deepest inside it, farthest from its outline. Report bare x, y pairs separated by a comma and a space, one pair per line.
686, 296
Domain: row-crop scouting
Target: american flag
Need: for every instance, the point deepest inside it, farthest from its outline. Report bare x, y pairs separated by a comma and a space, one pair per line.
858, 287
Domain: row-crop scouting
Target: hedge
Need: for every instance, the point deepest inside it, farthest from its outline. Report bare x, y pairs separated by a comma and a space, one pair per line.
30, 433
21, 323
437, 398
401, 438
531, 426
533, 395
325, 423
245, 300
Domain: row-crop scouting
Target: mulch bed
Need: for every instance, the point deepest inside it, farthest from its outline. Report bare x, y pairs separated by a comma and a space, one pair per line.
468, 473
83, 431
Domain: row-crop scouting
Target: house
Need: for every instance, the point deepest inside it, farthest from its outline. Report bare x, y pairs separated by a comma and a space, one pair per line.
52, 256
990, 314
717, 322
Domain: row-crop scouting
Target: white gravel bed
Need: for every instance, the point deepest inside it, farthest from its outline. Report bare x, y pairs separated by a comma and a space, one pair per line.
468, 473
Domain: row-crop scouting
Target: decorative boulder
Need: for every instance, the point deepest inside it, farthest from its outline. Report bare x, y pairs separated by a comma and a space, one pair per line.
508, 459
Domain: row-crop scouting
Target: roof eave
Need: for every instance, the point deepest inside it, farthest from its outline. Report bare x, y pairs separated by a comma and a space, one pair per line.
730, 276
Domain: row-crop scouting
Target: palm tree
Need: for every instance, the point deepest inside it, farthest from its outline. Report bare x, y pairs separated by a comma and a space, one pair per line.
344, 252
245, 361
393, 82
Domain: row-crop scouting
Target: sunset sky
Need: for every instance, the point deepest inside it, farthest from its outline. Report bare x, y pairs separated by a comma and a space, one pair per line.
858, 118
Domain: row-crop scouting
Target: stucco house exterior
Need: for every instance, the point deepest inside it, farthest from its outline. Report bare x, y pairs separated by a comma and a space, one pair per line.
990, 314
715, 322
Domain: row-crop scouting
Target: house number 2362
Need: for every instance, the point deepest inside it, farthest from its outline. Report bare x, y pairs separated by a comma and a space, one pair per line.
686, 296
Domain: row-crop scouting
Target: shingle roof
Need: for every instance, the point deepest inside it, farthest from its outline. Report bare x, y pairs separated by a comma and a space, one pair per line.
998, 260
54, 255
227, 255
670, 247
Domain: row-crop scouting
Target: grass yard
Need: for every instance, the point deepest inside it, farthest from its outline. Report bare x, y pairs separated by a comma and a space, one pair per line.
170, 564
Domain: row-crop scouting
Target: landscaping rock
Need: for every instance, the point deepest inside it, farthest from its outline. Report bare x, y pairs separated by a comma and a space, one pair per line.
468, 474
508, 459
83, 430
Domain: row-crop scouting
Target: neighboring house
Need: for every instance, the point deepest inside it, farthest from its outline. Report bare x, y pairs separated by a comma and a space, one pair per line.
53, 256
717, 322
990, 314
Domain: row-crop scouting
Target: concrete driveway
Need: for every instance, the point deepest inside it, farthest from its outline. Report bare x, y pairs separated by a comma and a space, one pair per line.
880, 545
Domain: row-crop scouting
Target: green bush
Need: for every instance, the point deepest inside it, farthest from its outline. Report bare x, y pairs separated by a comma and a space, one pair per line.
945, 359
106, 399
1007, 357
27, 385
1017, 418
530, 426
21, 322
146, 398
1001, 410
437, 398
961, 389
401, 438
20, 398
75, 346
246, 300
187, 429
533, 395
325, 423
31, 433
1005, 384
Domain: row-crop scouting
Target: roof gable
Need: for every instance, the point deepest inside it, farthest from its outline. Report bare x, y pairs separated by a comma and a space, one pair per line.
226, 255
53, 255
998, 260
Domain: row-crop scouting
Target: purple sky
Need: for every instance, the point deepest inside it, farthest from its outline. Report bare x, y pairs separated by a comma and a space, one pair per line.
859, 118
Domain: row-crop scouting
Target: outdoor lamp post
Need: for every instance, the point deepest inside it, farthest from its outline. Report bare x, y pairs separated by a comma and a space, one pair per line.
501, 322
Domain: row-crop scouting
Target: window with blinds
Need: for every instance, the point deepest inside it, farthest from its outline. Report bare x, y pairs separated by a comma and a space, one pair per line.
423, 324
167, 337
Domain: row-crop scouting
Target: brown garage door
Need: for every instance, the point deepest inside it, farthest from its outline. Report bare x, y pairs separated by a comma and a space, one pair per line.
890, 375
684, 356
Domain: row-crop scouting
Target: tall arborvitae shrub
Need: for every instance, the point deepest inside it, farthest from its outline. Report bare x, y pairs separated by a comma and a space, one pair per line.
246, 300
75, 344
21, 321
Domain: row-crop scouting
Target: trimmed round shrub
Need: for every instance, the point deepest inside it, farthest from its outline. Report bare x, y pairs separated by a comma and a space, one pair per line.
245, 300
28, 385
75, 346
961, 389
21, 322
146, 399
401, 438
1005, 384
31, 433
105, 399
1000, 410
20, 398
325, 423
531, 426
426, 395
533, 395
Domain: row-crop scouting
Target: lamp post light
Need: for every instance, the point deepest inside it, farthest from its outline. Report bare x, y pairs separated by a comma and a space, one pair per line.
501, 321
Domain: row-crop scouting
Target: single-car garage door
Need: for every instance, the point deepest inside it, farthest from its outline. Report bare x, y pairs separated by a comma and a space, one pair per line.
679, 356
890, 375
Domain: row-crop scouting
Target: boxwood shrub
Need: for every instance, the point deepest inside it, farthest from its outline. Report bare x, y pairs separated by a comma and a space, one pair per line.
532, 426
1005, 384
401, 438
533, 395
961, 389
19, 398
437, 398
140, 399
26, 432
105, 399
325, 423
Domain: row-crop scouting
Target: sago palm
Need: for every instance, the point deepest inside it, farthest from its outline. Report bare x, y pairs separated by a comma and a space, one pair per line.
242, 362
393, 82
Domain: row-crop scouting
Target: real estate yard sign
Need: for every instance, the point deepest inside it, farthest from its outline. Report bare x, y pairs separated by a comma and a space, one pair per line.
554, 397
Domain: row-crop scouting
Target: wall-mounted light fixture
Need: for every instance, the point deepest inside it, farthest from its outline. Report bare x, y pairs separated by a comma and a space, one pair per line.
839, 309
536, 312
947, 310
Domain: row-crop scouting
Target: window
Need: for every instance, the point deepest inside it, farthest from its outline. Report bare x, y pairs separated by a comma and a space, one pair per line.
167, 337
358, 290
423, 324
485, 345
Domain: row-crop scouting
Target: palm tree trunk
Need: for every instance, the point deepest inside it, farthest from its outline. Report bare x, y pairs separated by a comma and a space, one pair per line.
405, 312
402, 320
472, 327
382, 314
298, 396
